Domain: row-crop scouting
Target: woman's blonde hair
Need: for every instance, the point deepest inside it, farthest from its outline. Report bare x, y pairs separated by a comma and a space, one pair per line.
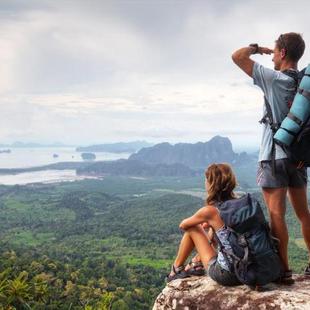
221, 183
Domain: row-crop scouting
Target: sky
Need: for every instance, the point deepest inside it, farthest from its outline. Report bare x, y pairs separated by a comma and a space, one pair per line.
87, 72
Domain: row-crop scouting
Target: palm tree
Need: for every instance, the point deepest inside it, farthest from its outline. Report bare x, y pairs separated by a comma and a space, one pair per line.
18, 290
3, 284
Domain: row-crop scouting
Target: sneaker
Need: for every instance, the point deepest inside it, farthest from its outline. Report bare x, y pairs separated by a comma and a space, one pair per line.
177, 273
307, 271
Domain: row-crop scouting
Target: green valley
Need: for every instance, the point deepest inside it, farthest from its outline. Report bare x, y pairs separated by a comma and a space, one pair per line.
98, 244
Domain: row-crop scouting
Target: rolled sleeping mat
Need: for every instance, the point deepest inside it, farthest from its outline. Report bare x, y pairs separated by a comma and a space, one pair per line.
298, 114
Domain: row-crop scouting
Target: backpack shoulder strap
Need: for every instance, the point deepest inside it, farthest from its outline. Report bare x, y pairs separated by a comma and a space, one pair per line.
294, 74
268, 117
302, 73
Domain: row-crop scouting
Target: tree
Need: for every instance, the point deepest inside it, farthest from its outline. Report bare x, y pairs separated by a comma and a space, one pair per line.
18, 290
106, 301
119, 305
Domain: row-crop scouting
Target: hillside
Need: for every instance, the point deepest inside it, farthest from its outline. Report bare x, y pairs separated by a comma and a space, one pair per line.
135, 168
120, 147
197, 156
98, 241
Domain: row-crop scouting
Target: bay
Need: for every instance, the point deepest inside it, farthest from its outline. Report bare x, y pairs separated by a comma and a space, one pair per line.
34, 157
45, 176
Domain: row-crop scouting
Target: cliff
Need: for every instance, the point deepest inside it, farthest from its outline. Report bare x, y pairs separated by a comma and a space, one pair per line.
198, 155
204, 294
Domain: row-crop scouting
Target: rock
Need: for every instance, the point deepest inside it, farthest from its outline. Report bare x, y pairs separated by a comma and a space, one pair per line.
196, 156
202, 293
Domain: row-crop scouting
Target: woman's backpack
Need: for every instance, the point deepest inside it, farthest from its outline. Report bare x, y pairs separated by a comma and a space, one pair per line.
253, 249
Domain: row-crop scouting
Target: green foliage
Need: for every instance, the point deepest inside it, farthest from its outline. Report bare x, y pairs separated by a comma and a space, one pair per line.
98, 244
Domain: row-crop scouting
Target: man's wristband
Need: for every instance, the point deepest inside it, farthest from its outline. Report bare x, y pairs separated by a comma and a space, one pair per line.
255, 48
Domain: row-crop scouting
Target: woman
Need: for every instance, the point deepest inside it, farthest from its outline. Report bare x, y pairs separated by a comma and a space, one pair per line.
220, 183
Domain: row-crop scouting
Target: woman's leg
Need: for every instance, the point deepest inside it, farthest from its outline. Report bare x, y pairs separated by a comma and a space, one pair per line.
195, 237
185, 249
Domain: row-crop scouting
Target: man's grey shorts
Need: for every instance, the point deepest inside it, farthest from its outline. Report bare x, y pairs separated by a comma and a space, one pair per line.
286, 174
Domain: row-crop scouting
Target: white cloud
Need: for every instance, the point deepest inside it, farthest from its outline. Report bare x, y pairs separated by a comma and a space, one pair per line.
114, 70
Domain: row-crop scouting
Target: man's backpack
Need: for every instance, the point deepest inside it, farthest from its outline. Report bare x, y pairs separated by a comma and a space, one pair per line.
253, 249
292, 134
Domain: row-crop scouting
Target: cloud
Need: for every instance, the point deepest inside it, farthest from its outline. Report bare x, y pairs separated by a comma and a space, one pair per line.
135, 69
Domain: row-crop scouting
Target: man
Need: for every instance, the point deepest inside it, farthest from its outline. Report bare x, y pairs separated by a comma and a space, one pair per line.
283, 177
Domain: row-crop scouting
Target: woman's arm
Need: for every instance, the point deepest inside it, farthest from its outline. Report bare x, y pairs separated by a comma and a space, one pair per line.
201, 216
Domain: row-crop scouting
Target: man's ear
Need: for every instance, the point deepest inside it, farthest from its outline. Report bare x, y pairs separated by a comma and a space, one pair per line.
283, 53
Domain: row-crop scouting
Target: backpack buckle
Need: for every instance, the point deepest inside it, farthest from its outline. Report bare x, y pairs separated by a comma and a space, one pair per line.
242, 241
300, 164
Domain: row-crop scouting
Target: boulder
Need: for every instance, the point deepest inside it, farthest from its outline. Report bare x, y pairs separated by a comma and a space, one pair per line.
202, 293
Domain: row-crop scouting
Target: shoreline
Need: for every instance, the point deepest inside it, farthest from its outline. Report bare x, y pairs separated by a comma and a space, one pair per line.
43, 177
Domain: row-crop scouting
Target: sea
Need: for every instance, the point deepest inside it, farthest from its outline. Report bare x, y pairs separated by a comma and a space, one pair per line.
40, 156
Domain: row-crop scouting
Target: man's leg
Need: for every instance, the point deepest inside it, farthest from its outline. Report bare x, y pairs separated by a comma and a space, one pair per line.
298, 199
275, 201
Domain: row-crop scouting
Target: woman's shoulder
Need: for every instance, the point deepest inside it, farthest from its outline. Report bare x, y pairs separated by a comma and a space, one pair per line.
210, 208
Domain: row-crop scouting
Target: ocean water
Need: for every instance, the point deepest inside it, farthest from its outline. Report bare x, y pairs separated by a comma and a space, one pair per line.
46, 176
33, 157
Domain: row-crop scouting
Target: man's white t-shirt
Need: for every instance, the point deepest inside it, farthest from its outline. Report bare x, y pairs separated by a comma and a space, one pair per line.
279, 89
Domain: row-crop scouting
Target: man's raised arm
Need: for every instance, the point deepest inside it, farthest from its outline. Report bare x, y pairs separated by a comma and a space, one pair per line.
242, 59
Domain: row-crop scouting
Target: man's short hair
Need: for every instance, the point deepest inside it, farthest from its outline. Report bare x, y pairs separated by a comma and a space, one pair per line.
293, 43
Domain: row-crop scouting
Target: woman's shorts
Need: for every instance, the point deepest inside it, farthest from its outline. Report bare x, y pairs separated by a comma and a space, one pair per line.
220, 275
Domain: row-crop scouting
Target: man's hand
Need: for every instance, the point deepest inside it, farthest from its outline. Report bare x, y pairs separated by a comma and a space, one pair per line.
264, 50
242, 59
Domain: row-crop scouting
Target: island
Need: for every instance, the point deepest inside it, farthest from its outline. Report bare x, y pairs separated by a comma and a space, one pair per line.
88, 156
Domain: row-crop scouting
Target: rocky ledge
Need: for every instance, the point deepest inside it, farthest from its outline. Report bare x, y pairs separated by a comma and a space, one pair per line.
202, 293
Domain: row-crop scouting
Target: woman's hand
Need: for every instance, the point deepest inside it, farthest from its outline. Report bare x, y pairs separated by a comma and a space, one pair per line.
205, 225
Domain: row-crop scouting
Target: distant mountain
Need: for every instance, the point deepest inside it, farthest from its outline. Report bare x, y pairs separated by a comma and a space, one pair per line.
7, 151
196, 156
120, 147
135, 168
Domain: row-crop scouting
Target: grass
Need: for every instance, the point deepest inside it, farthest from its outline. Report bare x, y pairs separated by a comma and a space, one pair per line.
300, 242
117, 249
31, 239
154, 263
15, 205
